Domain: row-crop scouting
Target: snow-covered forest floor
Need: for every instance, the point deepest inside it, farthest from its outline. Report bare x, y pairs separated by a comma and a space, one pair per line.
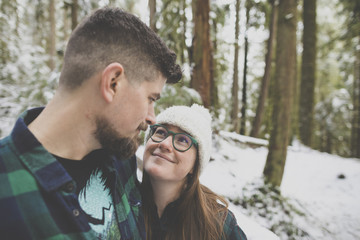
320, 193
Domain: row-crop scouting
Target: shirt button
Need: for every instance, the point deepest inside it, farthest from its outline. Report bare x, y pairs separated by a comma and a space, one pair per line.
76, 212
69, 187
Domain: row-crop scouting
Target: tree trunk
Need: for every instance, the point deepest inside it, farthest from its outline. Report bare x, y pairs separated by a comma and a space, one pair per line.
74, 14
40, 23
9, 11
244, 87
284, 81
66, 22
52, 35
355, 133
328, 141
358, 102
215, 76
235, 85
202, 53
307, 86
153, 18
267, 73
183, 39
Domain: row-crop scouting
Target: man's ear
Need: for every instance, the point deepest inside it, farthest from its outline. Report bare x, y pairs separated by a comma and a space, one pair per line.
110, 79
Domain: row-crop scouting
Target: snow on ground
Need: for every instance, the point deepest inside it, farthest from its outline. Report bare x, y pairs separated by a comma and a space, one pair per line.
329, 188
325, 186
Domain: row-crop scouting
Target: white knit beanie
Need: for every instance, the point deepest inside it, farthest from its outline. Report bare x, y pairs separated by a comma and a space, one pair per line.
196, 121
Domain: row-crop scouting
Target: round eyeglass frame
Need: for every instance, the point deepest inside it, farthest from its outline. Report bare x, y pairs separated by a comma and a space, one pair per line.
155, 126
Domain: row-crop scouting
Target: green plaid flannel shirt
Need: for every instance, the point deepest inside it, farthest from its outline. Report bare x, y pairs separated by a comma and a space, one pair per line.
160, 226
37, 196
231, 229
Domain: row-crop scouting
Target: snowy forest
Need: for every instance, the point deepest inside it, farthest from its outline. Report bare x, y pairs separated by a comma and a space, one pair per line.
284, 71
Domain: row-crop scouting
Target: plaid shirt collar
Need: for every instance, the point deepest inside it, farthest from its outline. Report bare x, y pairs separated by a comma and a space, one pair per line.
48, 171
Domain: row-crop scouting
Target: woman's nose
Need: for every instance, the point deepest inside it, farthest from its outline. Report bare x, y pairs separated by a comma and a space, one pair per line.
167, 143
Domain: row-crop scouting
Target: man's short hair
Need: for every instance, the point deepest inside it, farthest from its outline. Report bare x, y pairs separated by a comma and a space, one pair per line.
113, 35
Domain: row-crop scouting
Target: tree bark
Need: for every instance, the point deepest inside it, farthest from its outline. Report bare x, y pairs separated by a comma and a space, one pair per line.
355, 133
183, 37
66, 22
244, 87
74, 14
153, 18
52, 35
202, 52
235, 84
267, 73
308, 68
284, 81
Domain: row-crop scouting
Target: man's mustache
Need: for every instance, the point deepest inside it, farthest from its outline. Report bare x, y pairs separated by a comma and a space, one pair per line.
143, 126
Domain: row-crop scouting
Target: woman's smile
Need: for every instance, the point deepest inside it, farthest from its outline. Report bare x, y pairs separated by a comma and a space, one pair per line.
163, 156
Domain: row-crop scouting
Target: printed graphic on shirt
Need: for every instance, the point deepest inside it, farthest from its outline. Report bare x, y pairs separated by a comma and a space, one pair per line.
95, 200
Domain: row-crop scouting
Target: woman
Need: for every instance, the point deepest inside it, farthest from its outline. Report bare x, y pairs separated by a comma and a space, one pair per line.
175, 204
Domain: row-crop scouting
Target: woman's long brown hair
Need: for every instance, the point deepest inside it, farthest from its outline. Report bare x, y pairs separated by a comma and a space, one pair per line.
198, 215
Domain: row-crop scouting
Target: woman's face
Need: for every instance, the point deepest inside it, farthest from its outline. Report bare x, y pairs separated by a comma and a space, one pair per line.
163, 162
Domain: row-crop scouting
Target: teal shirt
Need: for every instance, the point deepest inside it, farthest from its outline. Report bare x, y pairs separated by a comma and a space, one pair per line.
37, 195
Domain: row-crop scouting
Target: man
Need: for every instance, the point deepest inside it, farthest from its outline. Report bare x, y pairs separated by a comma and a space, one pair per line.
65, 170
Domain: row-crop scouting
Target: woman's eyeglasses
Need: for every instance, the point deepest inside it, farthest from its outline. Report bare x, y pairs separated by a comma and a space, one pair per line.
181, 141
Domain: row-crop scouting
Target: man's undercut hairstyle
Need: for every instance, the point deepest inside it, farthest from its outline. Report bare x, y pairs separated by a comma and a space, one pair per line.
113, 35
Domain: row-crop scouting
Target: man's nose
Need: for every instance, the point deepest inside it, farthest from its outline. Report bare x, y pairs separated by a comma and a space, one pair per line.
151, 118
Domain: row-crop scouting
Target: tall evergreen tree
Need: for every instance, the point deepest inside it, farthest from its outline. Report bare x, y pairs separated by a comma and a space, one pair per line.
308, 68
202, 74
355, 138
267, 72
284, 85
7, 31
173, 27
153, 14
40, 23
244, 86
65, 23
217, 66
352, 36
74, 14
235, 84
52, 35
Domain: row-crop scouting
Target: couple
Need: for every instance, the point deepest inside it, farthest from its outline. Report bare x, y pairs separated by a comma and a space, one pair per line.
68, 171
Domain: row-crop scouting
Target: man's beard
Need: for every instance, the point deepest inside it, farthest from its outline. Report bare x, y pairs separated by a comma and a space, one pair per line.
110, 140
